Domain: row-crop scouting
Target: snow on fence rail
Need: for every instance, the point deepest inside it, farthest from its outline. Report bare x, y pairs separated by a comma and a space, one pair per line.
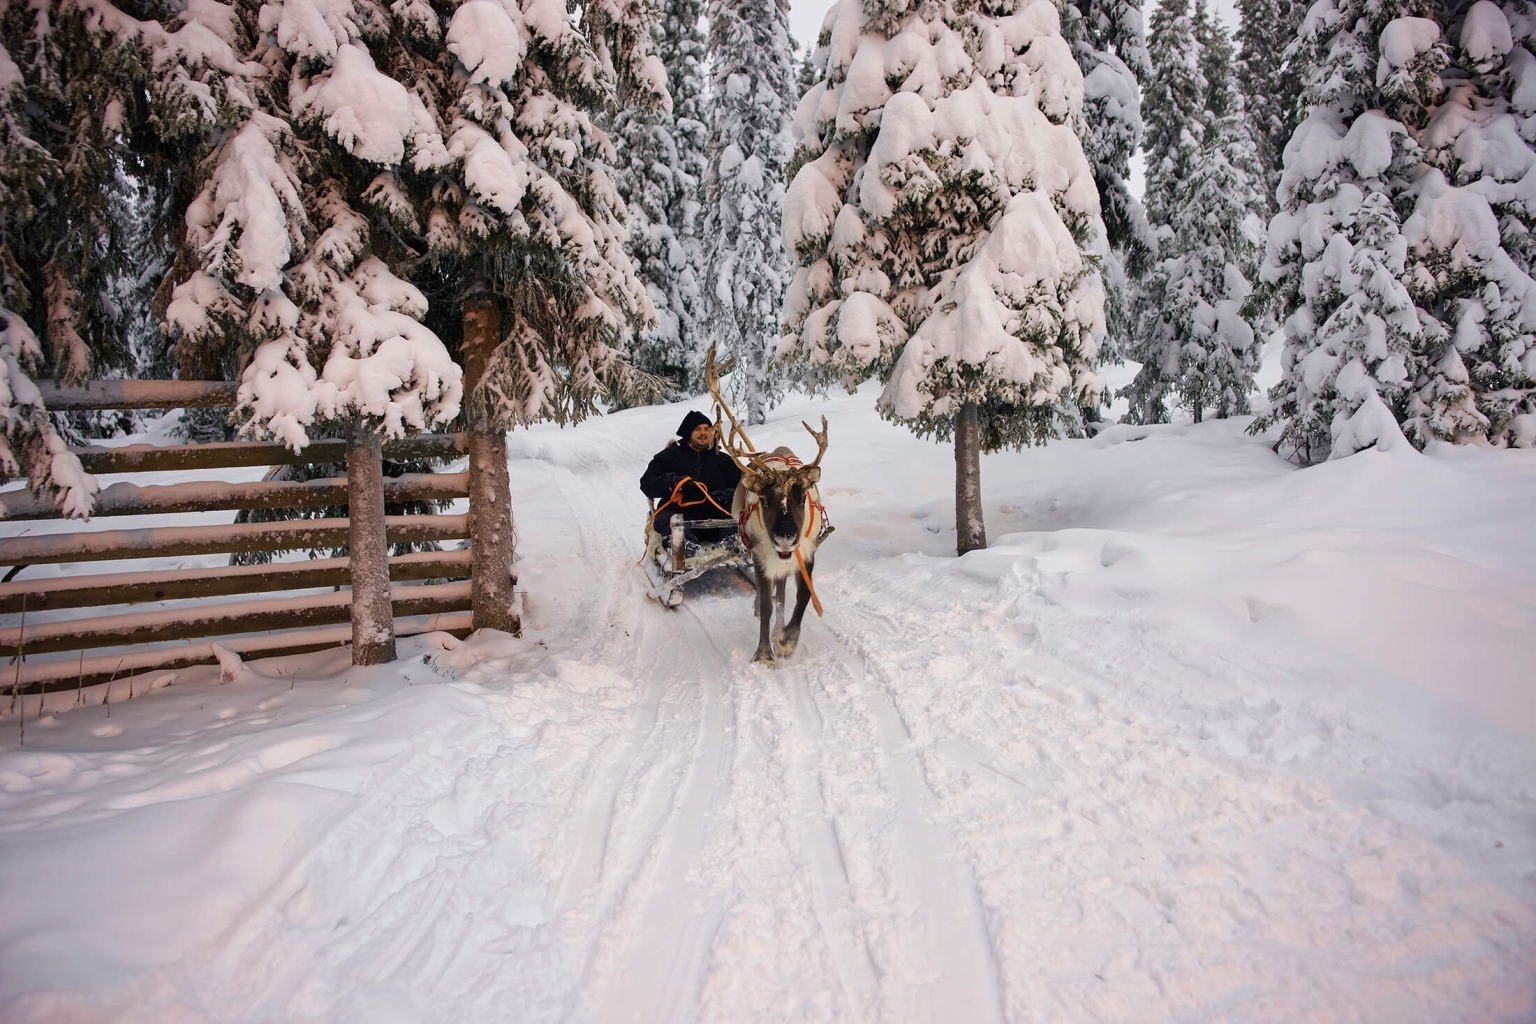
427, 590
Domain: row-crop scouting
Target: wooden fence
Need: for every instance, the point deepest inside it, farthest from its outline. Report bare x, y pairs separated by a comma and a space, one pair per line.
429, 590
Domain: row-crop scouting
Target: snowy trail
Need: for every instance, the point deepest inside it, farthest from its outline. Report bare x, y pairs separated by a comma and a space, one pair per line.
712, 806
984, 789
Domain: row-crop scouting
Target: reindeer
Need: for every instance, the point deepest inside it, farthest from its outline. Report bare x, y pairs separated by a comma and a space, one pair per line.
780, 520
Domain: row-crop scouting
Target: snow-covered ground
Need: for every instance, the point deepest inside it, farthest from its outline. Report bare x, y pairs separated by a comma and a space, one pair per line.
1200, 737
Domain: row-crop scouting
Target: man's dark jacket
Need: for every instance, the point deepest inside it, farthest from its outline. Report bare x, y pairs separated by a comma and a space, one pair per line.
713, 468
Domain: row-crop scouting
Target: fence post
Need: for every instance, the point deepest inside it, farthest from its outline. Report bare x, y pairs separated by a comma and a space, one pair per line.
373, 615
491, 537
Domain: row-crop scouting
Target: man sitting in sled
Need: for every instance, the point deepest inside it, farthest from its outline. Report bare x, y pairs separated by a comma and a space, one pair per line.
694, 477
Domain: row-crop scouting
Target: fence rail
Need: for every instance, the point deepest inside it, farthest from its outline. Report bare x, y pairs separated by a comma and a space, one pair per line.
150, 458
252, 610
128, 499
138, 394
222, 581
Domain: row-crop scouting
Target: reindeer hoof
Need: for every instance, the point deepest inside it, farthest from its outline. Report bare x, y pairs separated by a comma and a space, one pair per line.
786, 642
763, 657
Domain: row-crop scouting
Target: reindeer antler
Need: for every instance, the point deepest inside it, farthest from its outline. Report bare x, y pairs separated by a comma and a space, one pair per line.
821, 440
745, 452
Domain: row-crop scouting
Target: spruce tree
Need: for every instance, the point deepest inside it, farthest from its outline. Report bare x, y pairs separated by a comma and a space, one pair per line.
1336, 255
1470, 235
1216, 55
806, 75
1174, 109
1110, 48
753, 60
660, 170
80, 88
1402, 246
1268, 68
298, 276
1201, 320
943, 215
1173, 105
523, 230
296, 280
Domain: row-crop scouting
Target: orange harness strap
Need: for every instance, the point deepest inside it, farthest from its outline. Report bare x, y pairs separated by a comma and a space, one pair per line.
815, 601
677, 496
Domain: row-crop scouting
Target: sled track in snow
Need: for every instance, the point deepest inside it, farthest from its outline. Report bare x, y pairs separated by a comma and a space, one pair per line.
819, 838
751, 819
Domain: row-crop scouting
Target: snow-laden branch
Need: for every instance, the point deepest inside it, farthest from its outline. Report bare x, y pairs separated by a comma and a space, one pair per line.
29, 445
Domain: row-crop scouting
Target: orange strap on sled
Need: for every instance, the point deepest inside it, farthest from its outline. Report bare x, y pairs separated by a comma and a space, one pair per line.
677, 496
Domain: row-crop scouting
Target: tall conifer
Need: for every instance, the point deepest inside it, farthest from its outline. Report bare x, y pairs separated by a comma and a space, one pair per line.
1110, 47
1401, 248
1472, 235
1174, 110
753, 93
662, 161
944, 218
1336, 252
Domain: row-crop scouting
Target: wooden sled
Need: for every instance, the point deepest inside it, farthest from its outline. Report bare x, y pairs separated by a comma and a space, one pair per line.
667, 571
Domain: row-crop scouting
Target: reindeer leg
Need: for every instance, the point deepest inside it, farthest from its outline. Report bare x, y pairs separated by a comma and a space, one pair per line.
788, 638
778, 605
764, 616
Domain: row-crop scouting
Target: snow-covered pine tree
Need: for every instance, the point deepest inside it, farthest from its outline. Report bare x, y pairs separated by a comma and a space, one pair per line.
74, 81
1336, 254
753, 62
662, 160
1173, 106
295, 278
485, 179
1174, 112
1197, 336
1110, 47
1268, 70
806, 74
943, 215
1470, 237
1201, 323
523, 230
1216, 54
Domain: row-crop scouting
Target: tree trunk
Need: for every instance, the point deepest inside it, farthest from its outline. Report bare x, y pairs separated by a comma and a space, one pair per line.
373, 617
970, 528
491, 535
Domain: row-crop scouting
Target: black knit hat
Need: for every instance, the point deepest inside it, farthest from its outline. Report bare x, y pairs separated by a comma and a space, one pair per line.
691, 422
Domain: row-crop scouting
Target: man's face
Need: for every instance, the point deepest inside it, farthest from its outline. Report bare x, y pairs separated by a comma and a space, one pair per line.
703, 437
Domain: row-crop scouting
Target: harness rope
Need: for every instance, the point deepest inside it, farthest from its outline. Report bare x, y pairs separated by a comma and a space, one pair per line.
815, 601
677, 496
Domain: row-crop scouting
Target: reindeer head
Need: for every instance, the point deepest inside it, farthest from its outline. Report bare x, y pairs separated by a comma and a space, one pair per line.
782, 487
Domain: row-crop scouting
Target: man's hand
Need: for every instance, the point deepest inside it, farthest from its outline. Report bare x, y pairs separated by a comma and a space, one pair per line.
724, 497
